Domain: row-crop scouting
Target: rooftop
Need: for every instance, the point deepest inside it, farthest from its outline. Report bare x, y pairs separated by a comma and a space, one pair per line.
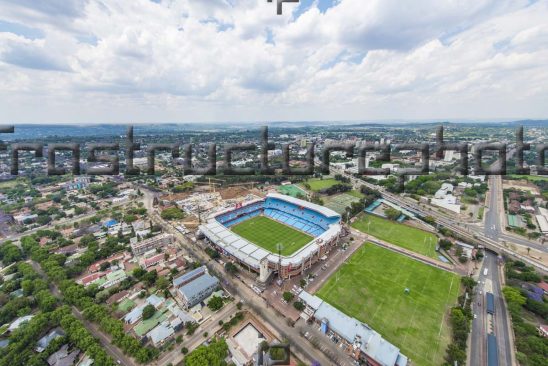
189, 275
192, 289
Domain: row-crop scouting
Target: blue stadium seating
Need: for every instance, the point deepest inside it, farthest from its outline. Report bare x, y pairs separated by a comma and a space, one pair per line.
301, 218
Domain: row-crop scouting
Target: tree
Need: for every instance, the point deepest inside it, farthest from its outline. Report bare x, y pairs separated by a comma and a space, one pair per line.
212, 253
104, 266
148, 311
46, 301
445, 244
468, 283
392, 213
288, 296
231, 268
150, 277
215, 303
162, 283
172, 213
138, 273
213, 355
298, 305
513, 296
9, 253
277, 353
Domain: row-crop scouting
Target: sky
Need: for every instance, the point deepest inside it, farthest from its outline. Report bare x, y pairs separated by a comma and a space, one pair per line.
144, 61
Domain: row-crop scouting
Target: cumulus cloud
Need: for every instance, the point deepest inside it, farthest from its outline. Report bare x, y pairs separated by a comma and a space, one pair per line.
186, 60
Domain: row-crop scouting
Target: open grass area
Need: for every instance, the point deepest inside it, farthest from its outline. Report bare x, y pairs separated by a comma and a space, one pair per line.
407, 237
11, 183
317, 184
356, 194
292, 190
268, 233
531, 178
370, 287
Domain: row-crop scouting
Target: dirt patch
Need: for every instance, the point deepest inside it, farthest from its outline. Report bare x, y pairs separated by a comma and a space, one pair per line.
521, 185
230, 193
176, 196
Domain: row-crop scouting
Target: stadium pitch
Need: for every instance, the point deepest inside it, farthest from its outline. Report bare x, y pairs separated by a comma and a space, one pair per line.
371, 287
268, 233
416, 240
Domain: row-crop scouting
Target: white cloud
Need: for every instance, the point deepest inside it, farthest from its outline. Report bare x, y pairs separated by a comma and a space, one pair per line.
185, 60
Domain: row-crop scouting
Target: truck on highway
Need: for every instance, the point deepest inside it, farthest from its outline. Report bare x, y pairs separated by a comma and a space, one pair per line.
490, 303
485, 271
492, 352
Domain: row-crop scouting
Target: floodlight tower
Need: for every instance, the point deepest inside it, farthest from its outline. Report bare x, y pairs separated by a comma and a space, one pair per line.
279, 247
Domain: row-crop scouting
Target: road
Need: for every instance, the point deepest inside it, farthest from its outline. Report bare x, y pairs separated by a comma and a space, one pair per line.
115, 353
492, 227
480, 326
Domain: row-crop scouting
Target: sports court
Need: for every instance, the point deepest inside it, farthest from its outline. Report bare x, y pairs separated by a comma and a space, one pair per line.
340, 202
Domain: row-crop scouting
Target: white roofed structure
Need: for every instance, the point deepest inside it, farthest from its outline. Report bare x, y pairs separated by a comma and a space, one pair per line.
251, 254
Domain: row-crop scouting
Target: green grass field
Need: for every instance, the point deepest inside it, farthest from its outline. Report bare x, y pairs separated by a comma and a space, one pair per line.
531, 178
268, 233
407, 237
292, 190
370, 287
356, 194
317, 185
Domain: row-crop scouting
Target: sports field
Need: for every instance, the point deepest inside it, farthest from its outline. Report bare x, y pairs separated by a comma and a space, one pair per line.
317, 185
268, 233
371, 287
292, 190
407, 237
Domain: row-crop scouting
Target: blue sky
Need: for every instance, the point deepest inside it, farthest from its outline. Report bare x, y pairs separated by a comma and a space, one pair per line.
142, 61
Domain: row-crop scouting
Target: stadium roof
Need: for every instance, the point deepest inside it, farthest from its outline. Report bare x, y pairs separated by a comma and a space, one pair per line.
312, 206
252, 254
351, 329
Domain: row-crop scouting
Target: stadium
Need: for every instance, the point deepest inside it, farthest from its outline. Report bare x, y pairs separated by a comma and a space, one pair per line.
277, 234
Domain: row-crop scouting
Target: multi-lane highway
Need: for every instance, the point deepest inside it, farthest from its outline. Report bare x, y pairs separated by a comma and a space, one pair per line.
498, 324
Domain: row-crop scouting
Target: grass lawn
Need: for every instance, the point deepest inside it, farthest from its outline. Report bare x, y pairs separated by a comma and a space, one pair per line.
268, 233
317, 185
355, 194
531, 178
370, 287
407, 237
292, 190
11, 183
